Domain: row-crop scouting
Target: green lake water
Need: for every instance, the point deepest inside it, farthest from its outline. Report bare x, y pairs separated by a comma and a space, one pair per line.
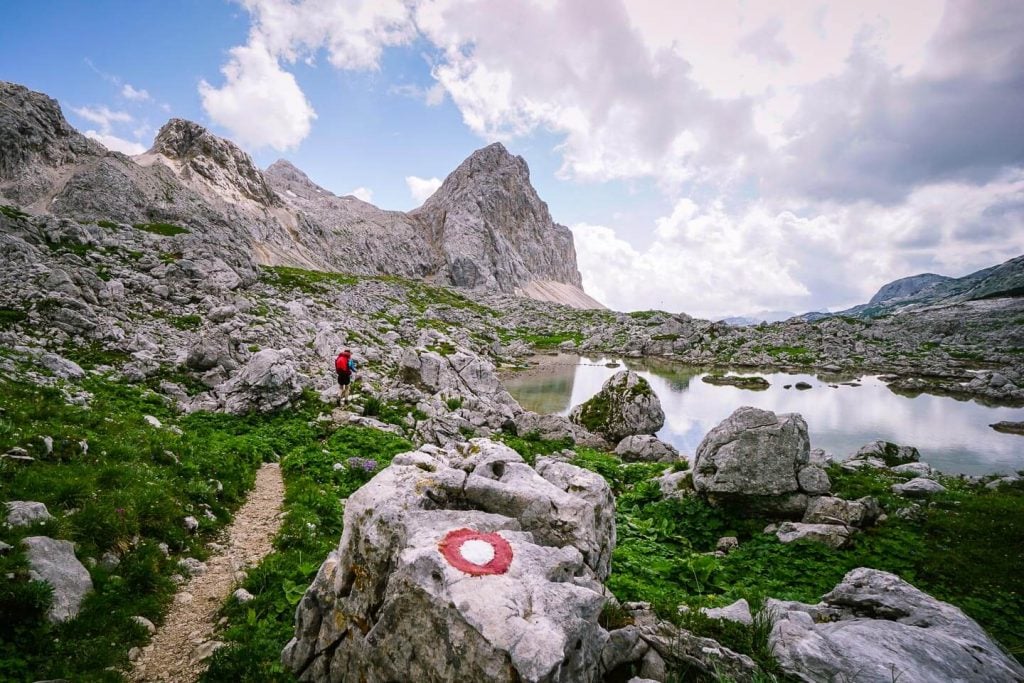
953, 435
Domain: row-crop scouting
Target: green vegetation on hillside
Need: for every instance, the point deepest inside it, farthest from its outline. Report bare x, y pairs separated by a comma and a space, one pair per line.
118, 485
162, 229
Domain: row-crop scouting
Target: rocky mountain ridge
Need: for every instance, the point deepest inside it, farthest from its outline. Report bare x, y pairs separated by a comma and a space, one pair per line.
486, 228
917, 292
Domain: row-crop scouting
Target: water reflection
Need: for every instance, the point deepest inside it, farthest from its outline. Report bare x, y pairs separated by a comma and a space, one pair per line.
952, 435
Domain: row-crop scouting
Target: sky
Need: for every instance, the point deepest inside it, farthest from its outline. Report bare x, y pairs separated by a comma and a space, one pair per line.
716, 158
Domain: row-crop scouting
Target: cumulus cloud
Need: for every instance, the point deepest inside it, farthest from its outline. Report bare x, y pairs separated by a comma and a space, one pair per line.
363, 193
133, 94
826, 146
260, 103
707, 261
116, 144
422, 188
103, 116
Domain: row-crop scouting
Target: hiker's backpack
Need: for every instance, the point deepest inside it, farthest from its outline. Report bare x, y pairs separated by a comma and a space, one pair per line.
341, 363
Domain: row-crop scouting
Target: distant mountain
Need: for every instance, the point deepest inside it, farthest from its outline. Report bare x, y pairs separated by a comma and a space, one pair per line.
757, 318
920, 291
485, 228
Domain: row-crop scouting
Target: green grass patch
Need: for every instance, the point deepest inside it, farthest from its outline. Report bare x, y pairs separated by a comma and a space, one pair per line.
11, 316
162, 229
308, 281
109, 225
187, 322
13, 212
549, 339
532, 445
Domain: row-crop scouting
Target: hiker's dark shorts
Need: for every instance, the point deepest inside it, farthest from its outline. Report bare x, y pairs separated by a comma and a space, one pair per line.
344, 378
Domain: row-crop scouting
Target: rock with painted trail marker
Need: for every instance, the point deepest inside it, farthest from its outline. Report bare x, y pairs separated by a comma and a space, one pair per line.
462, 563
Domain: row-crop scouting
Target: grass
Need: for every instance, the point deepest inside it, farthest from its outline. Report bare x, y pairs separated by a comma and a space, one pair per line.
12, 212
11, 316
125, 493
307, 281
549, 340
162, 229
257, 631
965, 549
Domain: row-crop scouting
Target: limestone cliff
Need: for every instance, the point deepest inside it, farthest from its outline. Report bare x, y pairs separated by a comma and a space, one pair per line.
492, 229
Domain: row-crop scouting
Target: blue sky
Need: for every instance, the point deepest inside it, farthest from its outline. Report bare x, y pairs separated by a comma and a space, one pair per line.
717, 159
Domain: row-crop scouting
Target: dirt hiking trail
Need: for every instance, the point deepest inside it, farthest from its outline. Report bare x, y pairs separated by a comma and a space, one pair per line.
179, 649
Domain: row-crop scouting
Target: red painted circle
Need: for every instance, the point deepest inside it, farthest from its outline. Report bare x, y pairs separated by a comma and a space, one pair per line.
451, 548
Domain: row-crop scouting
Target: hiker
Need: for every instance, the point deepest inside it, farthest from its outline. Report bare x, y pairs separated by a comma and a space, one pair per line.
345, 365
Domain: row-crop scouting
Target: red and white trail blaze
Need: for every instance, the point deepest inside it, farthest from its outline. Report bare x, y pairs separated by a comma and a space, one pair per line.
476, 553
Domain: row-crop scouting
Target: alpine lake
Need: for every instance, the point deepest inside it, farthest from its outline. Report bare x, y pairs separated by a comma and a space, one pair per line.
843, 413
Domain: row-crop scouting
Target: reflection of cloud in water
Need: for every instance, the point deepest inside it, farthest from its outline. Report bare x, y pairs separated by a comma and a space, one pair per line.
952, 435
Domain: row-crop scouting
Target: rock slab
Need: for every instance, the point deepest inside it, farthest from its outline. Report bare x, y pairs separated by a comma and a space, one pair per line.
884, 629
54, 562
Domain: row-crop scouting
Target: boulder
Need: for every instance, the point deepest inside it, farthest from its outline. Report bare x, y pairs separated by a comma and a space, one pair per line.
889, 453
918, 469
626, 405
832, 535
54, 562
268, 382
555, 427
676, 484
645, 448
918, 488
26, 513
754, 459
884, 629
61, 367
738, 612
462, 563
829, 510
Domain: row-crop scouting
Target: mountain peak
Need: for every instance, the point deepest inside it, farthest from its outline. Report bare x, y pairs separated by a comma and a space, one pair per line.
33, 135
219, 166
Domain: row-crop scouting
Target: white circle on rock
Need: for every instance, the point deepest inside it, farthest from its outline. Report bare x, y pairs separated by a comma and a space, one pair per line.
476, 551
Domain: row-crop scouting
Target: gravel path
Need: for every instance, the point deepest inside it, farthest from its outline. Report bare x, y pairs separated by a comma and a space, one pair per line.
177, 651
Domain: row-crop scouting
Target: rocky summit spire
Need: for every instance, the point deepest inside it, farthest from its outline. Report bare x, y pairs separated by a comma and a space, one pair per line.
217, 166
493, 229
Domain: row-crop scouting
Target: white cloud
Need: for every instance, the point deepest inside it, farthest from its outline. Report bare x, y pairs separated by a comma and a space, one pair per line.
421, 188
112, 142
130, 93
706, 261
260, 103
363, 193
833, 146
103, 117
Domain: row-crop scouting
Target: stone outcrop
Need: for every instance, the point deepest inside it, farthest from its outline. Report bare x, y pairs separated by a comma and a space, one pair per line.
54, 562
268, 382
625, 406
758, 461
462, 564
645, 448
880, 627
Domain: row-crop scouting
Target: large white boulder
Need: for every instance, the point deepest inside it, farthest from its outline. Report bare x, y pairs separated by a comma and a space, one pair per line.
882, 629
268, 382
758, 459
462, 564
55, 563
